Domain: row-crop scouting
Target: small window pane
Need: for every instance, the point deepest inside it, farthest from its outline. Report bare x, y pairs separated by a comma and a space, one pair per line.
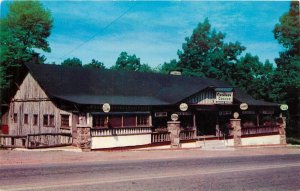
51, 120
99, 121
35, 119
65, 120
25, 118
15, 118
115, 121
45, 120
142, 120
129, 120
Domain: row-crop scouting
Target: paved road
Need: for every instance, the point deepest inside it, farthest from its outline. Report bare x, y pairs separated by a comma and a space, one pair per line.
272, 172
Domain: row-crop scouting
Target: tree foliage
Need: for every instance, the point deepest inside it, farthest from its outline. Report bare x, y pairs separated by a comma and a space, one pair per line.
95, 64
252, 76
23, 31
286, 86
167, 67
72, 62
127, 62
206, 54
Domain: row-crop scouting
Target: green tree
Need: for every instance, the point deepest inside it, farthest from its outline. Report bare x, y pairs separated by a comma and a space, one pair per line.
127, 62
286, 86
206, 54
167, 67
252, 76
23, 31
95, 64
72, 62
146, 68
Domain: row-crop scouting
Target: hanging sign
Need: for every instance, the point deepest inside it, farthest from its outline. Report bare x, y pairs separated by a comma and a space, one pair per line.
224, 97
106, 107
183, 107
174, 117
244, 106
284, 107
160, 114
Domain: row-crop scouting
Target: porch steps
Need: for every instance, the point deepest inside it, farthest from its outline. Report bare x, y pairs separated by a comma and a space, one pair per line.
211, 144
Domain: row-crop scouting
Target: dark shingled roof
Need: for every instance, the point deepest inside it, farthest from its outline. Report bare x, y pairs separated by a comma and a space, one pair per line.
94, 86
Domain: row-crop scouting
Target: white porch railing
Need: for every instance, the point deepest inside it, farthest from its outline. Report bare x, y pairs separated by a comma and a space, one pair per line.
259, 130
97, 132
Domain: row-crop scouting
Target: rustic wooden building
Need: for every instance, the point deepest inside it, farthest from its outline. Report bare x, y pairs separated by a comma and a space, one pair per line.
56, 99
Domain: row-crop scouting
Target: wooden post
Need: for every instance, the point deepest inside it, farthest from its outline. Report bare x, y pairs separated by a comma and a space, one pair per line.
194, 125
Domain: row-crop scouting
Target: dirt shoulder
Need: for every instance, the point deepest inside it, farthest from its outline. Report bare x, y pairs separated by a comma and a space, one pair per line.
28, 157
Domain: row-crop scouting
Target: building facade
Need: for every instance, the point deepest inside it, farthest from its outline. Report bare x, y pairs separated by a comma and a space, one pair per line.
57, 99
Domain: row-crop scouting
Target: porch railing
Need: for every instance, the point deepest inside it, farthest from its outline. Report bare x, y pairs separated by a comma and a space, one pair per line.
120, 131
44, 140
31, 141
187, 135
259, 130
160, 137
13, 141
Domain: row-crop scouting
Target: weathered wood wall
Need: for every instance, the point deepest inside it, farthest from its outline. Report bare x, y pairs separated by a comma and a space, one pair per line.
32, 100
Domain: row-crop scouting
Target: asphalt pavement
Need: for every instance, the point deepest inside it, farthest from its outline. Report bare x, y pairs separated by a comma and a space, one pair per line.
279, 171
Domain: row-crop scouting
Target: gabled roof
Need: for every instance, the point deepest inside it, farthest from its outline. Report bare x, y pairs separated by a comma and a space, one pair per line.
95, 86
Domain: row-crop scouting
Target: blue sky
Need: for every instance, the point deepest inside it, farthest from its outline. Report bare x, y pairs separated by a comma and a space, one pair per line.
154, 31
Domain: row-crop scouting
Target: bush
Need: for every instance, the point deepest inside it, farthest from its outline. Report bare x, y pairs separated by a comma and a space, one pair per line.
293, 141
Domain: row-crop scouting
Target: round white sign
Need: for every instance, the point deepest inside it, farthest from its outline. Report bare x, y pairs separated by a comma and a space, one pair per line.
244, 106
106, 107
236, 115
174, 117
183, 107
284, 107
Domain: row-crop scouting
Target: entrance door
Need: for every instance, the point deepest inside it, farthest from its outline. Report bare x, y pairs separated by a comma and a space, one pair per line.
206, 123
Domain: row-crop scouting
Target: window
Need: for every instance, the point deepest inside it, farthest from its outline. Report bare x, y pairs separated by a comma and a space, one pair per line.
48, 121
142, 120
51, 120
99, 121
115, 121
129, 120
45, 120
65, 120
35, 119
15, 118
25, 118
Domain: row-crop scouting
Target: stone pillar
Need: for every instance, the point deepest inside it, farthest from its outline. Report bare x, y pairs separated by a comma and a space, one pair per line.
84, 138
281, 122
174, 129
237, 131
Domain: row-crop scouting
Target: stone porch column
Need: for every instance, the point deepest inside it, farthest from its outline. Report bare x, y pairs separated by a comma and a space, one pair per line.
174, 129
237, 131
84, 138
281, 122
